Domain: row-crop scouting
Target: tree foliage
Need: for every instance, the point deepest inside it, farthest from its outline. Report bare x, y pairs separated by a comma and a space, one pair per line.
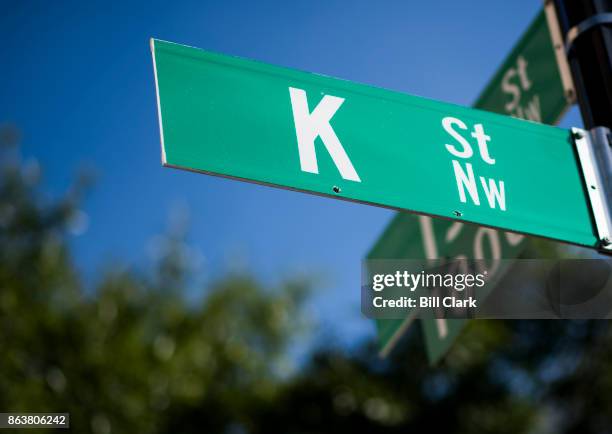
136, 354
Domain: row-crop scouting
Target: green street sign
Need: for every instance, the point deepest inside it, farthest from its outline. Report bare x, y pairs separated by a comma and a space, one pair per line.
260, 123
532, 83
440, 334
409, 237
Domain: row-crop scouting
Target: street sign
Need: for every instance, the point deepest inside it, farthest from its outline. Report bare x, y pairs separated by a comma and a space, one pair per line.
532, 83
410, 237
260, 123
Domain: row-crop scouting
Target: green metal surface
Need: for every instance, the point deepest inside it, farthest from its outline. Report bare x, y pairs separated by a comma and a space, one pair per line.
530, 88
233, 117
440, 335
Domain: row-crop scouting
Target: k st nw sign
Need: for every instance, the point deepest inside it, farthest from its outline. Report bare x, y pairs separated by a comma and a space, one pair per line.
255, 122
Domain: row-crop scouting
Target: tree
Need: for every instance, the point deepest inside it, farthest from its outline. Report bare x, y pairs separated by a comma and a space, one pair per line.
135, 354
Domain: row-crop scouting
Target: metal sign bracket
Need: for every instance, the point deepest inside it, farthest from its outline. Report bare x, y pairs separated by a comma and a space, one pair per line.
595, 157
586, 25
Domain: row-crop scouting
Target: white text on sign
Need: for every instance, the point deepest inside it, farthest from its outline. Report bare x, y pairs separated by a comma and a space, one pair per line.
494, 190
310, 125
514, 84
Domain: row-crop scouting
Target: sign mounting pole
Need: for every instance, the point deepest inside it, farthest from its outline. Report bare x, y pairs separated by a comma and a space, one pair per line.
587, 26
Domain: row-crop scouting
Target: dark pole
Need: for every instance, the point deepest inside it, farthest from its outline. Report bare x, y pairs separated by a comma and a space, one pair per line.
587, 28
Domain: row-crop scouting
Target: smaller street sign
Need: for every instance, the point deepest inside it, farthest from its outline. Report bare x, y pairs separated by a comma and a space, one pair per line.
437, 239
534, 81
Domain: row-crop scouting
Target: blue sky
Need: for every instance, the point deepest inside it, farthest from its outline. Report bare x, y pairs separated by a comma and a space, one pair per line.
77, 79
